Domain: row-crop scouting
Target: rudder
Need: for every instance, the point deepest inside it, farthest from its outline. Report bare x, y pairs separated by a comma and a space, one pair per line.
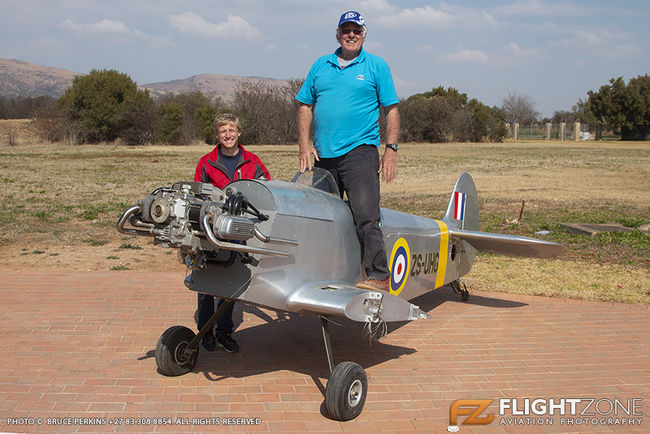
462, 211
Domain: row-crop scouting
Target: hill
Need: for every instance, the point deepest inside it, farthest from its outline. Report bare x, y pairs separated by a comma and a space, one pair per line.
19, 78
209, 84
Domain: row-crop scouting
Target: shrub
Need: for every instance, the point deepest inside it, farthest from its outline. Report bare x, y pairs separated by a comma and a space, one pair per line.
104, 104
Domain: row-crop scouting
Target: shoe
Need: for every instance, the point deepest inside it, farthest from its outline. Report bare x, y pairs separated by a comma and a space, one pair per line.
208, 343
375, 285
227, 343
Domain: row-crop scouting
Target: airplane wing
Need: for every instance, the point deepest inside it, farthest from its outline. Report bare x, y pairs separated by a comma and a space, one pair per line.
346, 300
508, 244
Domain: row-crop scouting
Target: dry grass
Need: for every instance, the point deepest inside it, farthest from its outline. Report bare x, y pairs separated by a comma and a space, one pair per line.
60, 205
560, 278
17, 132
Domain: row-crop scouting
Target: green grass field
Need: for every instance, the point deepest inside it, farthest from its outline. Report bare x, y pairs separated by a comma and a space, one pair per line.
58, 200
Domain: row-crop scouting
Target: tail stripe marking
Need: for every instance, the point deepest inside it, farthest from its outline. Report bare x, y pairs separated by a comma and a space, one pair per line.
459, 205
444, 248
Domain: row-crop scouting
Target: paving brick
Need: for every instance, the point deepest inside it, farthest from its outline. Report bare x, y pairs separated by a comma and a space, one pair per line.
89, 352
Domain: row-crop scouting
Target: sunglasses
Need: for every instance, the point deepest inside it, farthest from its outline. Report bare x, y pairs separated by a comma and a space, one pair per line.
355, 30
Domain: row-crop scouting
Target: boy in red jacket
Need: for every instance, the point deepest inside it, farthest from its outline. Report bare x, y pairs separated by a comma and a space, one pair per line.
227, 162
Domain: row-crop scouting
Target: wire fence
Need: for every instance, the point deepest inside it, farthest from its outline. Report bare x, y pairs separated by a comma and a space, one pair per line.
574, 131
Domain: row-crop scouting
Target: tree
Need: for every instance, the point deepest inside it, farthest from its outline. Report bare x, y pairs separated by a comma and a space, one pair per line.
267, 112
454, 98
485, 123
560, 116
519, 108
170, 120
288, 119
137, 120
442, 115
204, 120
23, 107
624, 106
48, 120
103, 104
425, 119
196, 122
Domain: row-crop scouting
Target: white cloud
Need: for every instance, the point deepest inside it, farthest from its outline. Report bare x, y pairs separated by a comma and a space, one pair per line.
377, 6
154, 41
445, 16
537, 8
234, 27
114, 28
511, 54
583, 37
629, 50
515, 50
100, 27
418, 16
604, 44
465, 56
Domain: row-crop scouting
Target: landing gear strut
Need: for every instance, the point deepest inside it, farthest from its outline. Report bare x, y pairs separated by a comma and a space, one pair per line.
347, 387
178, 347
460, 288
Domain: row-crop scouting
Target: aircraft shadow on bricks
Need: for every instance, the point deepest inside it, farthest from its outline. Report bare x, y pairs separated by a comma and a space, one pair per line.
292, 247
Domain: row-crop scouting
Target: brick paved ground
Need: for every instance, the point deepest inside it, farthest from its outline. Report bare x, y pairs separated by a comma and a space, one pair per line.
81, 344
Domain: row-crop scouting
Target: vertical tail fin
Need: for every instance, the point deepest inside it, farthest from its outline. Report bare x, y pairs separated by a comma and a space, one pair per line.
462, 212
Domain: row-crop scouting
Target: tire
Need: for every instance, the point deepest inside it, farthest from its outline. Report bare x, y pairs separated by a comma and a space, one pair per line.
170, 352
345, 393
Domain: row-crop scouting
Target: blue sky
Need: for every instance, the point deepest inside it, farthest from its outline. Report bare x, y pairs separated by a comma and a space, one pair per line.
552, 51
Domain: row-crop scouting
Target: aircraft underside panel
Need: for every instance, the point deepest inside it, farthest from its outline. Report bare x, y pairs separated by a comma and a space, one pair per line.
337, 299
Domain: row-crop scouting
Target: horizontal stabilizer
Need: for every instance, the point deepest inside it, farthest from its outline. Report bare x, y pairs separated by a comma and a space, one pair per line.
508, 244
344, 300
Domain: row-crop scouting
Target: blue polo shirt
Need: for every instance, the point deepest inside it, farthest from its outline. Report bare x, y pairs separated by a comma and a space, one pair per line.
346, 101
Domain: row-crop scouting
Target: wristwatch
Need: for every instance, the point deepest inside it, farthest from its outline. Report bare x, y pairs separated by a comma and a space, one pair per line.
393, 146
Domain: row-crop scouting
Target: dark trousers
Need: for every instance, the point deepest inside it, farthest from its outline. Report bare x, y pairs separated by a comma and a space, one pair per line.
356, 173
206, 310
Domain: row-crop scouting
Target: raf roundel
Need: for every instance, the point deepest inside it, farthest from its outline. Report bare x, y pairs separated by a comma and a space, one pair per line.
399, 266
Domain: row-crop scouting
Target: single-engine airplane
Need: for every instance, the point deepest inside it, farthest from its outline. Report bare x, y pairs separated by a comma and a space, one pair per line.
292, 246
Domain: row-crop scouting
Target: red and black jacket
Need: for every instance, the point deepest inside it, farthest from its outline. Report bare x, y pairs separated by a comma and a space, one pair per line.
211, 170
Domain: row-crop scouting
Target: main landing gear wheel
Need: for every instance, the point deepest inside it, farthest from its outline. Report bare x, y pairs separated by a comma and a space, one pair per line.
345, 393
171, 357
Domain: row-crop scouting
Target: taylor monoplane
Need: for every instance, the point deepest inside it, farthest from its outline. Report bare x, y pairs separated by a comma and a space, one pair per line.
292, 246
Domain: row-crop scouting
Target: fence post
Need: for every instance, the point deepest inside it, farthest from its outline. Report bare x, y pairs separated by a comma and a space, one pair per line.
562, 130
516, 131
548, 131
577, 131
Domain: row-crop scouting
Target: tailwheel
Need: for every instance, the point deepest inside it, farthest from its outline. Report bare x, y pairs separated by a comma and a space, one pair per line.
174, 356
345, 393
461, 289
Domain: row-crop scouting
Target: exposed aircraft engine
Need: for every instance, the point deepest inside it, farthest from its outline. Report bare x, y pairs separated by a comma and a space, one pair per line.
199, 219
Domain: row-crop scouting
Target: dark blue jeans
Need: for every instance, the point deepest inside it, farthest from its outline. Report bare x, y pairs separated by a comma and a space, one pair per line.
206, 310
357, 173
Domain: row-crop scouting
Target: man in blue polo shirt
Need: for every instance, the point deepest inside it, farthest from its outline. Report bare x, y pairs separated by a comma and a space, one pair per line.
342, 95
